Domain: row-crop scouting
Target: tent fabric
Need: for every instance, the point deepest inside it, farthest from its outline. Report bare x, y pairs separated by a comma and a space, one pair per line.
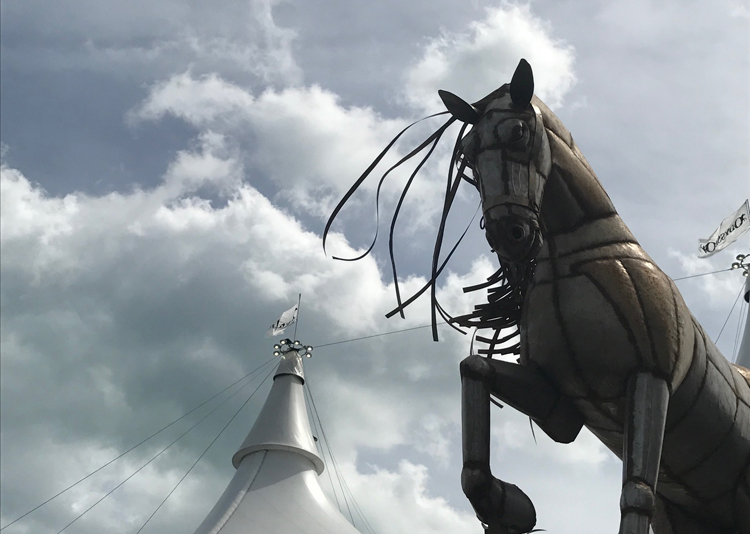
275, 489
275, 492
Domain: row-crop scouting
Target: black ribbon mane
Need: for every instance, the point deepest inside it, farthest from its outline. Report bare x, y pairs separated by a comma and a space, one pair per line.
506, 288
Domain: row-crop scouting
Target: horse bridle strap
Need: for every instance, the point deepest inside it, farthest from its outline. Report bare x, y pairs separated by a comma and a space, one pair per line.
499, 200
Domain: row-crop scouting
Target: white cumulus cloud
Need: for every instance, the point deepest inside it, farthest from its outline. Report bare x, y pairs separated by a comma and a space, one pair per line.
474, 62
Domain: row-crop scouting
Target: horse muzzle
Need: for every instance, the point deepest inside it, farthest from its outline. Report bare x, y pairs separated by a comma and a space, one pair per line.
515, 238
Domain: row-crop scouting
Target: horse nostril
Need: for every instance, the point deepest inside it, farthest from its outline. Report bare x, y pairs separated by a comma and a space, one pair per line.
517, 232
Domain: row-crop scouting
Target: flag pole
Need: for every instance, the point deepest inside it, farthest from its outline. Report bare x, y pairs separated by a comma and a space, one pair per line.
299, 301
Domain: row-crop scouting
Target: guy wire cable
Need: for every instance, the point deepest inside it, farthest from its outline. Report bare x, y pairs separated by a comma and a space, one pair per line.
358, 508
330, 452
320, 446
376, 335
701, 274
345, 486
160, 453
444, 322
137, 445
206, 450
730, 312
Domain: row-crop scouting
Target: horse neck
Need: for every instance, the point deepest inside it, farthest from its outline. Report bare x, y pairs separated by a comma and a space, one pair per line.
575, 209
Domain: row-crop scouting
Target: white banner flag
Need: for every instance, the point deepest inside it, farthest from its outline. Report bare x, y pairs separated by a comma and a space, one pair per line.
730, 229
287, 318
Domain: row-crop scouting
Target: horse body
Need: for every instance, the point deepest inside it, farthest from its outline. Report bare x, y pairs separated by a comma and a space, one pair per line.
598, 311
605, 337
606, 340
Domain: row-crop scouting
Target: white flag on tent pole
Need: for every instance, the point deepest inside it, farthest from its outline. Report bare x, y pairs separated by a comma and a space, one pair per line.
287, 318
727, 233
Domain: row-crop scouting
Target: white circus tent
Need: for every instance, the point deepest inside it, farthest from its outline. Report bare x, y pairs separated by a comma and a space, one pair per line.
275, 489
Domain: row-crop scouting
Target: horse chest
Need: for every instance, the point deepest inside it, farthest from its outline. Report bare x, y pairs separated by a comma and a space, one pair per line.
570, 331
591, 320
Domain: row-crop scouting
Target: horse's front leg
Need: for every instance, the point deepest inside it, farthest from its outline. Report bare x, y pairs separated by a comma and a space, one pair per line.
502, 506
646, 415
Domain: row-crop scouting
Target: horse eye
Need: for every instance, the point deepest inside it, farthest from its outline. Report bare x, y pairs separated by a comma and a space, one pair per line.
517, 133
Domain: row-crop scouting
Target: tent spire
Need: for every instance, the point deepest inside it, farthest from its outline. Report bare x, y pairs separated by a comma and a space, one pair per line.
282, 424
275, 489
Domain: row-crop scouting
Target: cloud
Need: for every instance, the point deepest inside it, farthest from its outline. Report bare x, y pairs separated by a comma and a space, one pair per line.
159, 39
399, 502
121, 311
740, 10
476, 61
200, 102
514, 433
155, 289
96, 322
303, 139
137, 294
308, 143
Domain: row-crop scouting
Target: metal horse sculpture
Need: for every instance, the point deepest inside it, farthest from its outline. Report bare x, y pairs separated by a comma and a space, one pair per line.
606, 340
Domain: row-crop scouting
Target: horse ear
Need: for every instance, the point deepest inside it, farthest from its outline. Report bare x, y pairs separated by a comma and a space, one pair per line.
459, 108
522, 84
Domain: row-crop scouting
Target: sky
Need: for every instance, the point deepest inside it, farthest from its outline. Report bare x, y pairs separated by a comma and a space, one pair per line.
167, 171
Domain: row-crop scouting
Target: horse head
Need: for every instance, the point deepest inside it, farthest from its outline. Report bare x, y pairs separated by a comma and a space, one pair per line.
509, 154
